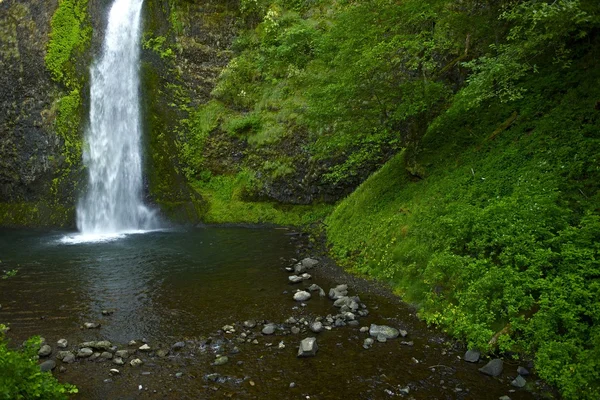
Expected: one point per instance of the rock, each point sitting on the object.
(62, 354)
(295, 279)
(122, 353)
(383, 330)
(308, 347)
(381, 338)
(281, 345)
(178, 374)
(522, 371)
(132, 343)
(295, 330)
(118, 361)
(368, 343)
(104, 345)
(519, 382)
(106, 355)
(221, 360)
(316, 327)
(292, 385)
(249, 324)
(114, 371)
(62, 343)
(178, 346)
(144, 347)
(47, 365)
(62, 369)
(269, 329)
(162, 353)
(45, 351)
(91, 325)
(94, 356)
(302, 295)
(405, 390)
(136, 362)
(212, 377)
(493, 368)
(85, 352)
(107, 312)
(291, 320)
(403, 333)
(471, 356)
(309, 263)
(504, 398)
(338, 292)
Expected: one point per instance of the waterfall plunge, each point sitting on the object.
(113, 201)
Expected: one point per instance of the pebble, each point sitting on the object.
(178, 374)
(308, 347)
(471, 356)
(62, 343)
(302, 295)
(118, 361)
(114, 371)
(144, 347)
(383, 330)
(221, 360)
(45, 351)
(47, 365)
(178, 346)
(84, 352)
(136, 362)
(368, 343)
(519, 382)
(91, 325)
(269, 329)
(493, 368)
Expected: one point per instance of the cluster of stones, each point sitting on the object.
(495, 367)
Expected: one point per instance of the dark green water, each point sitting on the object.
(184, 285)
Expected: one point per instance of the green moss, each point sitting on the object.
(35, 214)
(226, 200)
(70, 35)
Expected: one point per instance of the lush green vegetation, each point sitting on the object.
(20, 375)
(487, 213)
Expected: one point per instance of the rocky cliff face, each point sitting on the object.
(29, 147)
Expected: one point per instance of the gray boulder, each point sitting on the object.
(269, 329)
(519, 382)
(338, 292)
(383, 330)
(302, 296)
(47, 365)
(493, 368)
(316, 327)
(308, 347)
(85, 352)
(472, 356)
(45, 351)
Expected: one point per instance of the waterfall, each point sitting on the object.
(113, 154)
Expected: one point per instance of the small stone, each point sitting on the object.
(178, 374)
(383, 330)
(122, 353)
(62, 343)
(302, 295)
(522, 371)
(221, 360)
(471, 356)
(291, 320)
(94, 356)
(364, 329)
(316, 327)
(368, 343)
(295, 279)
(132, 343)
(106, 355)
(91, 325)
(47, 365)
(114, 371)
(292, 385)
(381, 338)
(144, 347)
(519, 382)
(411, 343)
(107, 312)
(281, 345)
(178, 346)
(62, 354)
(146, 373)
(69, 358)
(405, 390)
(308, 347)
(493, 368)
(85, 352)
(45, 351)
(249, 324)
(118, 361)
(295, 330)
(269, 329)
(162, 353)
(136, 362)
(62, 369)
(504, 398)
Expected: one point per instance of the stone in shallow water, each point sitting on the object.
(338, 292)
(85, 352)
(45, 351)
(136, 362)
(472, 356)
(493, 368)
(269, 329)
(302, 295)
(383, 330)
(62, 354)
(295, 330)
(308, 347)
(62, 343)
(221, 360)
(47, 365)
(519, 382)
(69, 358)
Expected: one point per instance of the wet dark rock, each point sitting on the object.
(522, 371)
(85, 352)
(308, 347)
(472, 356)
(353, 323)
(45, 351)
(62, 343)
(383, 330)
(47, 365)
(302, 295)
(519, 382)
(269, 329)
(493, 368)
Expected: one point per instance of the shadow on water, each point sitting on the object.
(184, 285)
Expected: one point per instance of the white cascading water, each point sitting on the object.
(113, 154)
